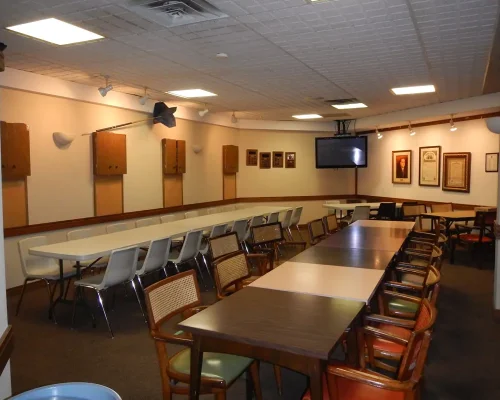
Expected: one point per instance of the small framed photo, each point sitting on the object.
(456, 172)
(401, 166)
(429, 166)
(491, 162)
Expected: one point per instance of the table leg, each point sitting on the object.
(353, 350)
(61, 290)
(315, 379)
(196, 362)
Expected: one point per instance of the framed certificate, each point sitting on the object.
(401, 166)
(491, 162)
(456, 172)
(429, 166)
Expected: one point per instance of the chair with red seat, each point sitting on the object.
(346, 383)
(476, 236)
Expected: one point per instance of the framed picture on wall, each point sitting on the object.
(401, 166)
(429, 166)
(456, 172)
(491, 162)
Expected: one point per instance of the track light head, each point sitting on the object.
(411, 130)
(379, 135)
(202, 113)
(104, 90)
(234, 120)
(143, 100)
(453, 128)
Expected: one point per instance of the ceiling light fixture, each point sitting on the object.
(349, 106)
(307, 116)
(221, 55)
(379, 135)
(234, 120)
(191, 93)
(411, 130)
(413, 90)
(453, 128)
(108, 88)
(143, 100)
(55, 31)
(202, 113)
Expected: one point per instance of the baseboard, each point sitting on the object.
(16, 290)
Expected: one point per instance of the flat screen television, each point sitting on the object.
(341, 152)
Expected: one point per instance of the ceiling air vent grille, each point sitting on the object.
(171, 13)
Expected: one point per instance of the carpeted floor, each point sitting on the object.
(462, 363)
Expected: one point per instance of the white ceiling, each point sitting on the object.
(285, 56)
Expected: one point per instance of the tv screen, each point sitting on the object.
(342, 152)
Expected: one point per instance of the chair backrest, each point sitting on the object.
(121, 226)
(121, 268)
(256, 220)
(191, 245)
(267, 233)
(79, 234)
(411, 212)
(212, 210)
(287, 219)
(192, 214)
(157, 256)
(445, 207)
(360, 213)
(170, 297)
(387, 211)
(296, 216)
(218, 230)
(331, 223)
(485, 220)
(230, 270)
(140, 223)
(413, 359)
(167, 218)
(273, 217)
(28, 261)
(316, 230)
(240, 228)
(224, 244)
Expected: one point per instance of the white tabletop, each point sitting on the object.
(373, 223)
(334, 281)
(351, 206)
(99, 246)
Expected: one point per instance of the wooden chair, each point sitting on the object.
(379, 348)
(316, 231)
(180, 295)
(229, 243)
(331, 224)
(271, 236)
(345, 383)
(478, 235)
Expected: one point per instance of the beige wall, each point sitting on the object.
(471, 136)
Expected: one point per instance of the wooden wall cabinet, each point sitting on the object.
(174, 156)
(230, 159)
(15, 140)
(110, 153)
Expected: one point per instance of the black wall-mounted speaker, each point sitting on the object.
(164, 115)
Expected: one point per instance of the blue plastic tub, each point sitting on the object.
(69, 391)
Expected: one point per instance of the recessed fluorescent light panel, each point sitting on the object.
(307, 116)
(414, 89)
(191, 93)
(55, 31)
(349, 106)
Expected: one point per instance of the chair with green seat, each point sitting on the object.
(180, 295)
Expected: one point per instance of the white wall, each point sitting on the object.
(471, 136)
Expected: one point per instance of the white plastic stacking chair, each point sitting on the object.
(156, 259)
(113, 228)
(140, 223)
(44, 268)
(285, 224)
(273, 217)
(359, 213)
(121, 269)
(240, 227)
(212, 210)
(167, 218)
(294, 221)
(189, 251)
(77, 234)
(192, 214)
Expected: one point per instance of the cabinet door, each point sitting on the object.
(15, 151)
(230, 159)
(119, 154)
(169, 149)
(103, 159)
(181, 156)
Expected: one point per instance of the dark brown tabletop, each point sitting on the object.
(355, 258)
(297, 323)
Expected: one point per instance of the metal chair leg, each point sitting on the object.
(201, 273)
(290, 234)
(177, 268)
(140, 283)
(101, 302)
(139, 301)
(22, 295)
(67, 288)
(300, 234)
(206, 266)
(52, 313)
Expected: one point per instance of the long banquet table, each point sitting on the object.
(293, 316)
